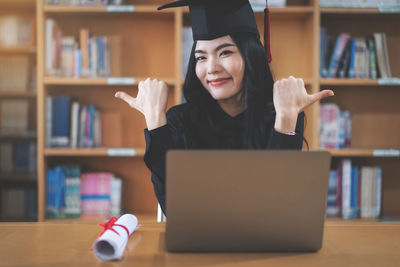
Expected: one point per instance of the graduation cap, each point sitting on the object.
(215, 18)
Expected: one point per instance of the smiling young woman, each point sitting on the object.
(232, 99)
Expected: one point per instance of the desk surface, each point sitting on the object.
(67, 244)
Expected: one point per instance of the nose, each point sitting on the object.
(213, 65)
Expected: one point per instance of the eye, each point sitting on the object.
(199, 58)
(225, 53)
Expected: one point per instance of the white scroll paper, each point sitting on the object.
(110, 245)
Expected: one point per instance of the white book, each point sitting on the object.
(380, 55)
(386, 55)
(74, 129)
(49, 48)
(364, 191)
(115, 196)
(346, 189)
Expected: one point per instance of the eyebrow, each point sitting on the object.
(216, 49)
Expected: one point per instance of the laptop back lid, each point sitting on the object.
(246, 201)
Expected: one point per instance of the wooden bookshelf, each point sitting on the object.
(295, 39)
(372, 102)
(14, 180)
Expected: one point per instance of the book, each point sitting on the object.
(340, 45)
(382, 55)
(95, 194)
(346, 189)
(332, 209)
(60, 121)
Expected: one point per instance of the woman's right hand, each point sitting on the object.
(151, 101)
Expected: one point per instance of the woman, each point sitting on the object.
(232, 103)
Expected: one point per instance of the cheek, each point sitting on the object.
(237, 70)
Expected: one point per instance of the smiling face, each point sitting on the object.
(220, 68)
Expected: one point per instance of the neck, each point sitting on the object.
(232, 106)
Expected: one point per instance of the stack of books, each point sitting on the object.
(354, 57)
(355, 191)
(71, 194)
(67, 57)
(335, 127)
(71, 124)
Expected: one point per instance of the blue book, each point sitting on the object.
(91, 124)
(60, 121)
(22, 153)
(354, 191)
(78, 63)
(60, 190)
(337, 54)
(352, 58)
(50, 193)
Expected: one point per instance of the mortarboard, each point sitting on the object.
(215, 18)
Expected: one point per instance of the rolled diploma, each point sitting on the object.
(110, 245)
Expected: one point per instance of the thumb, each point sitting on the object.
(318, 96)
(127, 98)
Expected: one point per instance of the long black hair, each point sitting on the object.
(257, 94)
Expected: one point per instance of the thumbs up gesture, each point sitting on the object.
(290, 99)
(151, 101)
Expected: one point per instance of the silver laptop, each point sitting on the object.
(246, 201)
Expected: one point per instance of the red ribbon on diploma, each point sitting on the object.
(109, 226)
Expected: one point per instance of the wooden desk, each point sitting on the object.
(67, 244)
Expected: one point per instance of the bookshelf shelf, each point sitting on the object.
(18, 50)
(104, 9)
(353, 152)
(353, 11)
(345, 82)
(16, 94)
(17, 135)
(112, 81)
(94, 152)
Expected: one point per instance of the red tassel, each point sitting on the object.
(267, 34)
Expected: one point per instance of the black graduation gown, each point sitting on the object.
(228, 135)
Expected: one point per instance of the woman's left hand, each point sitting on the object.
(291, 98)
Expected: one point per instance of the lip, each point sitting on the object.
(218, 82)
